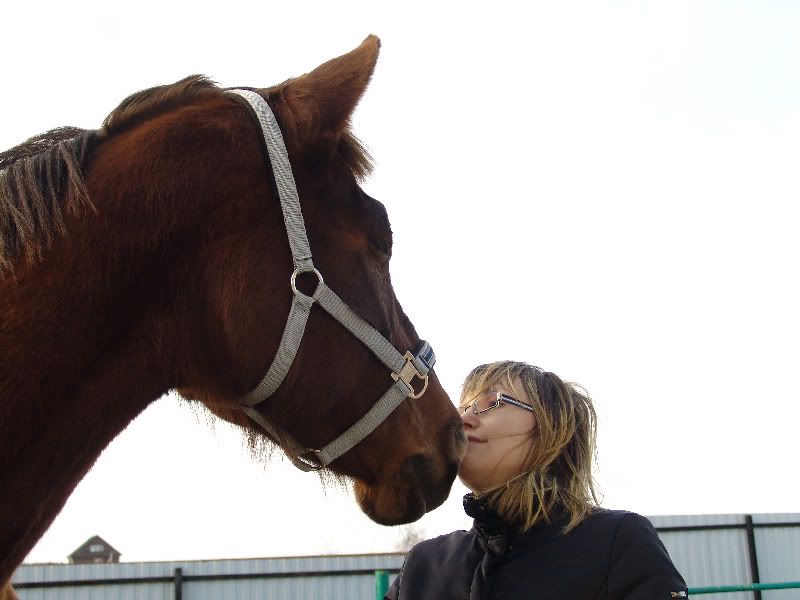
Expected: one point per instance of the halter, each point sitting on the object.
(403, 368)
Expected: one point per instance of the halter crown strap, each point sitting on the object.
(404, 368)
(284, 179)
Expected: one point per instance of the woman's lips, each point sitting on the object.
(472, 438)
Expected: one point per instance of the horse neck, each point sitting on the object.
(74, 371)
(88, 336)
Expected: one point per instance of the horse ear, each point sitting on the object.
(316, 107)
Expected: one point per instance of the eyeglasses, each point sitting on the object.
(489, 400)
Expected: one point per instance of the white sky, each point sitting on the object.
(606, 189)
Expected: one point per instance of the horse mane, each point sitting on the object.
(42, 178)
(34, 179)
(147, 104)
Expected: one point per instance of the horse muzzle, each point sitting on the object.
(421, 483)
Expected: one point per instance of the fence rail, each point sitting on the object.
(750, 587)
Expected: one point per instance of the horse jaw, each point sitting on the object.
(407, 494)
(387, 506)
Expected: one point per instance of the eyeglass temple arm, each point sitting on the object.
(510, 400)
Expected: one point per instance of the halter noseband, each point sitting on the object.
(404, 368)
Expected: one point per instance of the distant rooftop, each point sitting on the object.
(94, 550)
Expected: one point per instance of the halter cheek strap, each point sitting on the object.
(404, 368)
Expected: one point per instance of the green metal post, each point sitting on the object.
(381, 584)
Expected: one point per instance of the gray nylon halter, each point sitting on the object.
(404, 368)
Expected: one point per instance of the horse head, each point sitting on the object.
(240, 294)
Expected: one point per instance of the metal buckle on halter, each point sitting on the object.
(308, 461)
(407, 374)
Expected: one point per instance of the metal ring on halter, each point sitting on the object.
(407, 374)
(297, 271)
(308, 461)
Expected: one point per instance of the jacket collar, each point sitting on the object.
(495, 534)
(492, 530)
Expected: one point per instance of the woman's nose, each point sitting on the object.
(468, 419)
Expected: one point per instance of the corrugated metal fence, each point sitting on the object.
(306, 577)
(717, 550)
(709, 550)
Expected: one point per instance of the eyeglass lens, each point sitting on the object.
(483, 402)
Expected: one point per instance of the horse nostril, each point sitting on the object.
(420, 467)
(457, 441)
(461, 436)
(417, 463)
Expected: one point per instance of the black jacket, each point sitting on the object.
(611, 555)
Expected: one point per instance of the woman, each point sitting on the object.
(538, 532)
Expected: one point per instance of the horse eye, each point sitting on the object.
(379, 246)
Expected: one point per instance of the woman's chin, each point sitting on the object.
(467, 480)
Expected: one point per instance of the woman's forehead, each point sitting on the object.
(499, 383)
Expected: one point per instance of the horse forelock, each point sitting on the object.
(355, 155)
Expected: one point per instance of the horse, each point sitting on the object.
(151, 255)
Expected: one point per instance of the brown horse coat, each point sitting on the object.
(151, 255)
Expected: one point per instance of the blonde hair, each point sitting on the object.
(557, 475)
